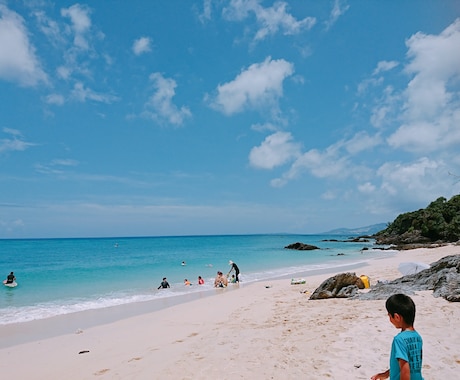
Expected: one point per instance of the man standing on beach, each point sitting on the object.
(235, 268)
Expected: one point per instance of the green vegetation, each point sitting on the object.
(440, 221)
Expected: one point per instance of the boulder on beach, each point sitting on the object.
(443, 278)
(343, 285)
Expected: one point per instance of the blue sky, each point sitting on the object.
(147, 118)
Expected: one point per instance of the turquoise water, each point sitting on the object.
(60, 276)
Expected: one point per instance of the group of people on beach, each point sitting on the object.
(221, 281)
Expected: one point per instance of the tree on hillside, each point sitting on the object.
(440, 221)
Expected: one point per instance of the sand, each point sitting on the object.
(265, 330)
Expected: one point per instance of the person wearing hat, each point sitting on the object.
(235, 268)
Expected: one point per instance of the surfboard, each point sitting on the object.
(11, 284)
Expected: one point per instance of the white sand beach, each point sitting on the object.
(265, 330)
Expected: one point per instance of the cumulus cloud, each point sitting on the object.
(18, 62)
(275, 150)
(260, 85)
(270, 20)
(333, 162)
(80, 24)
(432, 98)
(417, 180)
(160, 106)
(141, 45)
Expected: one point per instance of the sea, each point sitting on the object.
(63, 276)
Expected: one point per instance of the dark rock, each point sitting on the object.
(443, 277)
(359, 239)
(301, 246)
(343, 285)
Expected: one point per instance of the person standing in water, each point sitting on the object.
(164, 284)
(235, 268)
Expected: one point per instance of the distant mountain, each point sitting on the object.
(368, 230)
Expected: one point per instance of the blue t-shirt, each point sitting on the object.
(407, 345)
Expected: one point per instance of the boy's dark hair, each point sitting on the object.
(402, 305)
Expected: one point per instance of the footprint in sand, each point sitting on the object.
(102, 371)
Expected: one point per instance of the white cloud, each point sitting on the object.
(339, 8)
(15, 143)
(80, 24)
(82, 94)
(432, 98)
(49, 28)
(275, 150)
(141, 45)
(18, 62)
(64, 162)
(421, 180)
(207, 11)
(367, 188)
(160, 106)
(334, 162)
(270, 20)
(386, 110)
(264, 127)
(383, 66)
(55, 99)
(361, 141)
(320, 164)
(259, 86)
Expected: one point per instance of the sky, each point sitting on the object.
(171, 117)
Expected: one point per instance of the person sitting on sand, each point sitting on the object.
(10, 278)
(406, 350)
(233, 279)
(220, 281)
(200, 280)
(164, 284)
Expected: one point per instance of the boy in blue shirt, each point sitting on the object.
(406, 349)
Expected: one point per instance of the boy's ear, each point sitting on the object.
(397, 317)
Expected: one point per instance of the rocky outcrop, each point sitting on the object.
(301, 246)
(443, 278)
(343, 285)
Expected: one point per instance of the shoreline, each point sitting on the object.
(26, 332)
(265, 329)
